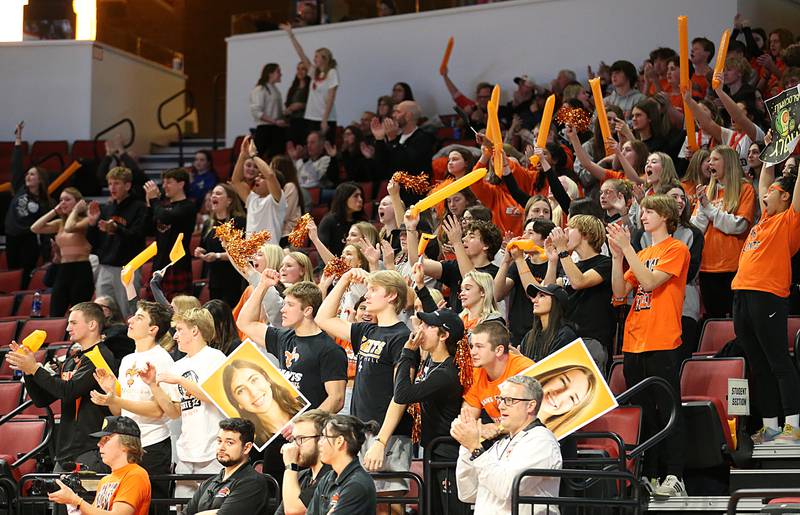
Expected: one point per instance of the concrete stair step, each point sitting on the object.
(704, 504)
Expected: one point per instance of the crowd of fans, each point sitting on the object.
(642, 239)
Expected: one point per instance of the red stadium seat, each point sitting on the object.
(237, 145)
(704, 392)
(85, 149)
(716, 333)
(18, 438)
(56, 328)
(366, 187)
(624, 421)
(6, 305)
(37, 279)
(197, 269)
(5, 369)
(10, 396)
(7, 148)
(792, 328)
(3, 261)
(223, 163)
(42, 149)
(617, 378)
(8, 332)
(25, 305)
(34, 411)
(10, 281)
(194, 242)
(314, 194)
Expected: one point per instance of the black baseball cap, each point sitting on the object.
(118, 425)
(447, 319)
(553, 290)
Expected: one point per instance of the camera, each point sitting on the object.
(42, 487)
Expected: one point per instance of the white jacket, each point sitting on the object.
(487, 480)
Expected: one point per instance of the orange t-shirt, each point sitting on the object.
(720, 250)
(481, 393)
(506, 213)
(699, 86)
(238, 307)
(765, 263)
(663, 84)
(526, 179)
(351, 357)
(129, 484)
(612, 174)
(654, 321)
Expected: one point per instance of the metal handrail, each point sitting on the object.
(215, 104)
(189, 108)
(759, 493)
(109, 129)
(48, 156)
(633, 503)
(673, 413)
(419, 499)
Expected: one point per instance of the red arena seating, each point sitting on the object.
(26, 304)
(617, 378)
(83, 149)
(8, 331)
(56, 328)
(10, 281)
(716, 333)
(6, 305)
(41, 149)
(19, 437)
(704, 391)
(10, 396)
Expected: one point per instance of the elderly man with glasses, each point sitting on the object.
(485, 476)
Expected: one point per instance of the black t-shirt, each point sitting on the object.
(308, 362)
(378, 353)
(520, 308)
(244, 492)
(171, 219)
(308, 485)
(451, 277)
(351, 492)
(439, 393)
(590, 308)
(221, 274)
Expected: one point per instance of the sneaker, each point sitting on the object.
(650, 485)
(789, 436)
(670, 487)
(765, 435)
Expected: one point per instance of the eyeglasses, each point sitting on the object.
(300, 440)
(508, 401)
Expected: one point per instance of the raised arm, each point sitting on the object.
(296, 44)
(454, 233)
(48, 223)
(237, 177)
(702, 118)
(248, 320)
(451, 88)
(586, 161)
(327, 318)
(737, 114)
(268, 173)
(324, 253)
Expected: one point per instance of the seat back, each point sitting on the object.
(10, 281)
(37, 279)
(10, 396)
(18, 437)
(616, 379)
(792, 327)
(26, 304)
(716, 333)
(85, 149)
(8, 331)
(223, 163)
(6, 305)
(625, 421)
(709, 378)
(56, 328)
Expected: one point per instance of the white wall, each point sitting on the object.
(68, 90)
(493, 42)
(124, 85)
(47, 84)
(771, 14)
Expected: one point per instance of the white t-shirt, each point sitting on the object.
(199, 420)
(265, 101)
(263, 213)
(740, 142)
(154, 430)
(318, 94)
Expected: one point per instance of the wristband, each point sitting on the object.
(563, 254)
(293, 467)
(378, 439)
(474, 455)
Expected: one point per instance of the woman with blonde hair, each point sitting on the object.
(296, 267)
(477, 299)
(697, 174)
(320, 112)
(259, 399)
(567, 391)
(725, 211)
(74, 279)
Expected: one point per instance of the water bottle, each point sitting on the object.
(36, 305)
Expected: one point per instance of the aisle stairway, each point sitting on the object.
(165, 157)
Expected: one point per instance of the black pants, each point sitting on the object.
(315, 125)
(689, 336)
(715, 289)
(22, 251)
(74, 284)
(158, 461)
(270, 140)
(759, 319)
(444, 494)
(667, 457)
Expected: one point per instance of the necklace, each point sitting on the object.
(425, 373)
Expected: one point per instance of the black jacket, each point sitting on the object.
(79, 415)
(128, 240)
(244, 492)
(414, 156)
(25, 208)
(170, 219)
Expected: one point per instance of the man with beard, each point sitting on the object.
(303, 453)
(238, 488)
